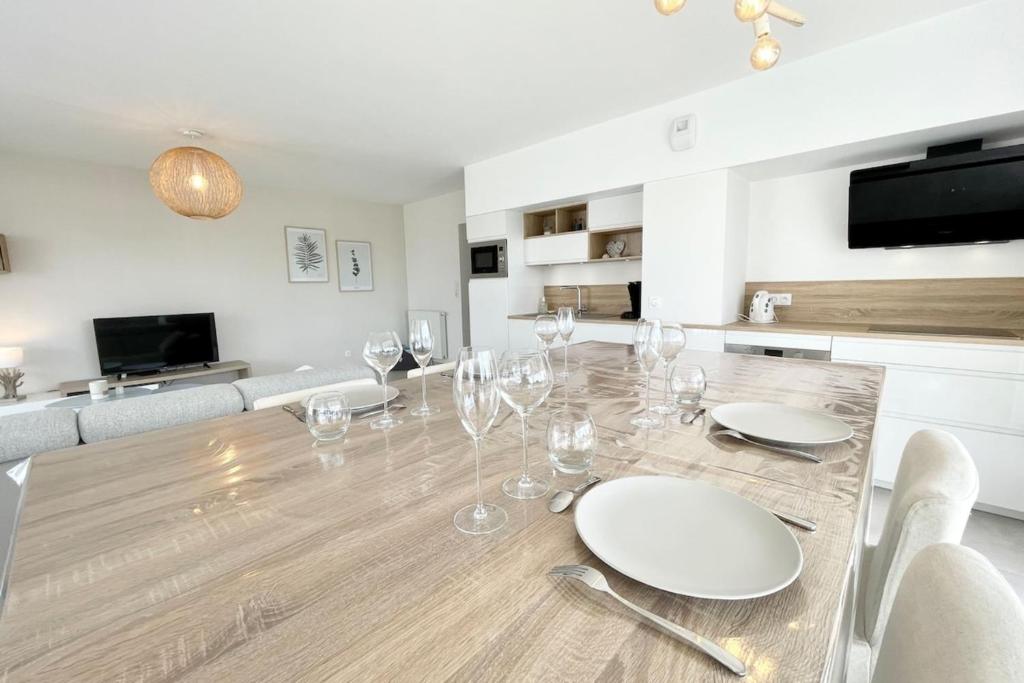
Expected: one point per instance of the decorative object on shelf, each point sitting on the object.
(355, 266)
(10, 376)
(195, 182)
(549, 225)
(615, 248)
(767, 50)
(306, 249)
(5, 256)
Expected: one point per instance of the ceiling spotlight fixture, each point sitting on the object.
(195, 182)
(767, 49)
(668, 7)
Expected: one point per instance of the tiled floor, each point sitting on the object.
(1000, 539)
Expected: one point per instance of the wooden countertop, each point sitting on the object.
(235, 549)
(829, 329)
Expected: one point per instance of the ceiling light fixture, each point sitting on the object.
(767, 49)
(195, 182)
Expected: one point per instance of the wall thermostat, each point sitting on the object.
(683, 134)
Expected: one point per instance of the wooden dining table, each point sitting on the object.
(237, 549)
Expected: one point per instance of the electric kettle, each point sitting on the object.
(762, 307)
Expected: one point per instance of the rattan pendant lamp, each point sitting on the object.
(195, 182)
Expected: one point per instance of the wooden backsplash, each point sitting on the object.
(605, 299)
(960, 302)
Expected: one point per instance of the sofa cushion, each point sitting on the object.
(102, 421)
(254, 388)
(38, 431)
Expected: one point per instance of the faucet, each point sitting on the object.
(580, 308)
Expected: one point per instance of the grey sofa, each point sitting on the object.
(255, 388)
(102, 421)
(26, 434)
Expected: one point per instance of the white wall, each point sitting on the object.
(92, 241)
(617, 273)
(798, 232)
(432, 258)
(956, 67)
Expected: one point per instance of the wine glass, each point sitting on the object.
(546, 329)
(572, 440)
(328, 415)
(647, 337)
(382, 352)
(421, 344)
(673, 341)
(688, 384)
(566, 326)
(524, 380)
(475, 391)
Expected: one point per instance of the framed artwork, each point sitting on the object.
(355, 266)
(307, 254)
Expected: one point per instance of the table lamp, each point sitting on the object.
(10, 376)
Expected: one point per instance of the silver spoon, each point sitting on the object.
(563, 499)
(689, 418)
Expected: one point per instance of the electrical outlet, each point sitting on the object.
(655, 302)
(783, 299)
(348, 354)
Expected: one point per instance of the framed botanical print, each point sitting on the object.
(307, 254)
(355, 266)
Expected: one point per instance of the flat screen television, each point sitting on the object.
(151, 343)
(949, 198)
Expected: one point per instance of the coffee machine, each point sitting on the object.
(634, 301)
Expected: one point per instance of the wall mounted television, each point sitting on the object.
(152, 343)
(960, 194)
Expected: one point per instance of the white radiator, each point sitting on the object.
(438, 321)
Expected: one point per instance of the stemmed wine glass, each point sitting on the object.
(647, 338)
(546, 329)
(475, 391)
(673, 341)
(421, 344)
(566, 326)
(382, 352)
(524, 380)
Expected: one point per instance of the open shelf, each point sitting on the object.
(633, 237)
(556, 221)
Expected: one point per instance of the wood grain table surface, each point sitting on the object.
(237, 549)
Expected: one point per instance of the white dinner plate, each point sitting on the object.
(777, 422)
(688, 537)
(363, 396)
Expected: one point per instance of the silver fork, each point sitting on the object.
(767, 446)
(596, 580)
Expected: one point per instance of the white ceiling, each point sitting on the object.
(376, 100)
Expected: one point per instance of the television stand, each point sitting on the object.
(81, 386)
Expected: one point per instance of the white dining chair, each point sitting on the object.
(936, 486)
(955, 618)
(298, 395)
(430, 370)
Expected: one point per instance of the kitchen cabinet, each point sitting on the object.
(700, 339)
(487, 226)
(620, 211)
(488, 313)
(571, 247)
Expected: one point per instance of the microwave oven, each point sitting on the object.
(487, 259)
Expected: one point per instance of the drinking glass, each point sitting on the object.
(524, 380)
(546, 329)
(382, 352)
(688, 384)
(572, 440)
(566, 326)
(328, 416)
(421, 344)
(673, 341)
(477, 399)
(647, 336)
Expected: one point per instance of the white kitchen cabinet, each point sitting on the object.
(488, 313)
(568, 248)
(700, 339)
(973, 391)
(521, 336)
(620, 211)
(487, 226)
(784, 340)
(604, 332)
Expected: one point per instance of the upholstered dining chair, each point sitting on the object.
(954, 618)
(431, 370)
(298, 395)
(25, 434)
(936, 486)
